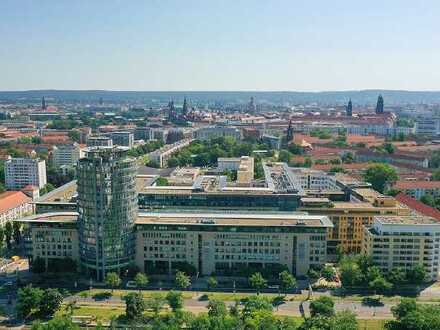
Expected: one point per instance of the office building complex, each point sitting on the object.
(244, 166)
(66, 155)
(162, 155)
(224, 243)
(350, 217)
(124, 139)
(418, 189)
(107, 206)
(429, 126)
(99, 141)
(212, 132)
(219, 243)
(20, 172)
(404, 242)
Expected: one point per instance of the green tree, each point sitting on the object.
(50, 303)
(412, 316)
(28, 301)
(373, 272)
(175, 300)
(329, 273)
(2, 236)
(134, 305)
(8, 233)
(347, 158)
(434, 161)
(258, 282)
(313, 273)
(345, 320)
(417, 274)
(156, 303)
(160, 181)
(380, 175)
(38, 265)
(254, 304)
(74, 136)
(380, 285)
(428, 200)
(212, 282)
(288, 281)
(182, 280)
(70, 308)
(58, 323)
(141, 280)
(323, 306)
(295, 149)
(350, 272)
(405, 306)
(216, 308)
(316, 323)
(284, 156)
(396, 276)
(16, 227)
(436, 175)
(112, 280)
(389, 147)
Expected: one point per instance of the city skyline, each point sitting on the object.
(225, 46)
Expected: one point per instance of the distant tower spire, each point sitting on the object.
(289, 136)
(43, 103)
(252, 108)
(349, 110)
(185, 107)
(379, 106)
(171, 110)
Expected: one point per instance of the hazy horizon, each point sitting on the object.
(287, 46)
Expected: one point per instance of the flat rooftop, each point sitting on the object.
(406, 220)
(61, 194)
(55, 217)
(234, 219)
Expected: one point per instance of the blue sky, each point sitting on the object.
(219, 45)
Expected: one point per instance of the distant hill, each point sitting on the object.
(363, 97)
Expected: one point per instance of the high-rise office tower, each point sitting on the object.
(379, 106)
(349, 110)
(107, 206)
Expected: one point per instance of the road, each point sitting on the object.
(290, 308)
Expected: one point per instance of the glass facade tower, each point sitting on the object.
(107, 207)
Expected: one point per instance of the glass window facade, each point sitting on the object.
(107, 207)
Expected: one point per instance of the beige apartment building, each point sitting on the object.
(349, 218)
(404, 242)
(222, 243)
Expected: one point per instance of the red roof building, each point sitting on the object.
(418, 206)
(14, 205)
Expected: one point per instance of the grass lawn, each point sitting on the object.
(228, 296)
(104, 313)
(371, 324)
(122, 293)
(224, 296)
